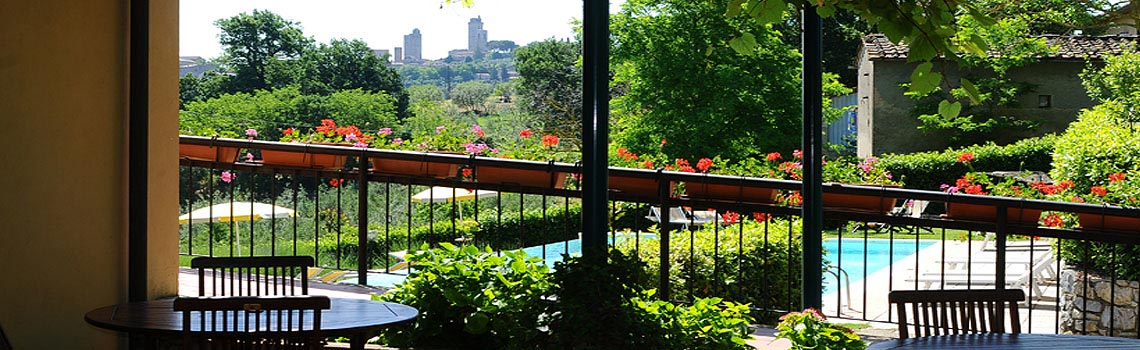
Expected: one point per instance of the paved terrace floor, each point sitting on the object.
(763, 338)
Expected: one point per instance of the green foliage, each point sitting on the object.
(755, 261)
(426, 93)
(685, 85)
(929, 170)
(1101, 258)
(703, 325)
(595, 299)
(1096, 145)
(550, 85)
(472, 299)
(258, 46)
(347, 65)
(810, 330)
(1118, 81)
(471, 95)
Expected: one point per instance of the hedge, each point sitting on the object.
(929, 170)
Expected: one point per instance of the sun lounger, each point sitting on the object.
(1031, 278)
(678, 216)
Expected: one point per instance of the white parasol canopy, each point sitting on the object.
(242, 211)
(440, 194)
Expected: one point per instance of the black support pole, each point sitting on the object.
(595, 125)
(363, 262)
(813, 159)
(137, 153)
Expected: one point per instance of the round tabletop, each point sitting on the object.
(1009, 342)
(345, 317)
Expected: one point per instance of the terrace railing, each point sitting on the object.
(346, 215)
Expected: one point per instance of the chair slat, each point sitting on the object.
(251, 276)
(944, 312)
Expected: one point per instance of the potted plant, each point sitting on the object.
(1121, 189)
(728, 192)
(810, 330)
(328, 133)
(864, 172)
(526, 147)
(386, 139)
(982, 184)
(209, 153)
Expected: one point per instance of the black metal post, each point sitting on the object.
(813, 159)
(362, 259)
(138, 147)
(595, 125)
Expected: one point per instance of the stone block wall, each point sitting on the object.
(1106, 307)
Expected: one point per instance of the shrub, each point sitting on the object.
(764, 270)
(1103, 258)
(1095, 146)
(928, 170)
(703, 325)
(472, 299)
(810, 330)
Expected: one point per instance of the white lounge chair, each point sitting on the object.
(1024, 278)
(678, 216)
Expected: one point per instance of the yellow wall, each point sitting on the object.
(63, 147)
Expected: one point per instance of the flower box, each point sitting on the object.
(635, 186)
(520, 177)
(208, 153)
(302, 159)
(859, 202)
(988, 213)
(1109, 222)
(733, 193)
(421, 168)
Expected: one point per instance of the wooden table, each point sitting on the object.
(1009, 342)
(155, 320)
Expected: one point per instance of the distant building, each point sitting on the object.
(381, 54)
(476, 36)
(459, 55)
(399, 57)
(413, 47)
(195, 65)
(886, 121)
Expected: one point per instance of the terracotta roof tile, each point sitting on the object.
(1068, 47)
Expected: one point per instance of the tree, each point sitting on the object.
(472, 95)
(550, 85)
(687, 87)
(260, 46)
(349, 64)
(502, 46)
(424, 92)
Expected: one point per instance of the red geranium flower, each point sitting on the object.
(1098, 190)
(965, 157)
(1115, 177)
(730, 217)
(288, 131)
(648, 164)
(549, 141)
(467, 172)
(526, 133)
(687, 169)
(663, 142)
(328, 126)
(773, 156)
(704, 164)
(336, 182)
(761, 217)
(1054, 220)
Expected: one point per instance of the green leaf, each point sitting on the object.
(769, 11)
(923, 81)
(949, 110)
(734, 8)
(825, 11)
(476, 323)
(971, 91)
(744, 45)
(518, 266)
(921, 50)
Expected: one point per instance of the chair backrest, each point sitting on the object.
(944, 312)
(4, 344)
(252, 276)
(292, 322)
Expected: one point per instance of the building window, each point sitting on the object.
(1044, 101)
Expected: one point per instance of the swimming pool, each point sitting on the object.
(878, 252)
(878, 256)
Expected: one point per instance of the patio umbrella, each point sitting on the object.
(242, 211)
(439, 194)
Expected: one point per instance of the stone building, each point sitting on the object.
(476, 36)
(413, 47)
(886, 118)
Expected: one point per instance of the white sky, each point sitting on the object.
(383, 23)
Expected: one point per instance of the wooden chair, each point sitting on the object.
(262, 323)
(4, 344)
(252, 276)
(945, 312)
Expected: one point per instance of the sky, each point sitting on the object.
(383, 23)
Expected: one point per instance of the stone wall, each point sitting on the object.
(1103, 310)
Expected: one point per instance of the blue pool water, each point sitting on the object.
(878, 252)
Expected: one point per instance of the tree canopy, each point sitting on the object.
(259, 45)
(550, 85)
